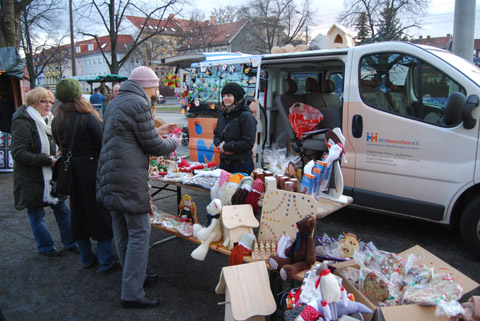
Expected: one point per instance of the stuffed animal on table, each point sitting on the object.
(212, 232)
(230, 188)
(331, 300)
(188, 210)
(255, 196)
(242, 191)
(244, 247)
(217, 189)
(300, 255)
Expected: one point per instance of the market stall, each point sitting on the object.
(11, 97)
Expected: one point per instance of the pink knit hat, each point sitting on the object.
(145, 77)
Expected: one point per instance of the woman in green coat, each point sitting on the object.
(33, 150)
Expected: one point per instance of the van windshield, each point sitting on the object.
(468, 69)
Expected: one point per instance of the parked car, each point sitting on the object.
(162, 99)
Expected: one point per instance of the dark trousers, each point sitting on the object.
(243, 166)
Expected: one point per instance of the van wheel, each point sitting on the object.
(470, 225)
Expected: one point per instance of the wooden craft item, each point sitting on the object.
(281, 210)
(237, 220)
(263, 249)
(270, 183)
(248, 295)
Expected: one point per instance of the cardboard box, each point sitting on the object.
(410, 312)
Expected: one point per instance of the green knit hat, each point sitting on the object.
(68, 89)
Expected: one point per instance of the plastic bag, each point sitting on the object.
(277, 160)
(303, 118)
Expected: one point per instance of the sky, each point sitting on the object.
(437, 23)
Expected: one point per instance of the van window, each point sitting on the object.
(405, 85)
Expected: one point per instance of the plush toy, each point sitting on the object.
(217, 189)
(212, 232)
(300, 255)
(244, 247)
(242, 191)
(331, 299)
(188, 209)
(254, 197)
(231, 186)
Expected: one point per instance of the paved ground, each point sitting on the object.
(34, 287)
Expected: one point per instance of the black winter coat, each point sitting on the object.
(129, 137)
(28, 183)
(237, 129)
(89, 218)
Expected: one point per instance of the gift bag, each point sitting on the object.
(303, 118)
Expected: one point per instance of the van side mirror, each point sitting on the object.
(453, 111)
(468, 120)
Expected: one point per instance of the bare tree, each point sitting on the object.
(275, 22)
(225, 14)
(10, 11)
(37, 19)
(409, 10)
(112, 14)
(199, 34)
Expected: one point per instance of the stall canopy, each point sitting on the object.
(100, 78)
(185, 61)
(11, 63)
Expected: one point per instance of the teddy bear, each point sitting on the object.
(212, 232)
(300, 255)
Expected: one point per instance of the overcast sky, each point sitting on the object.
(438, 22)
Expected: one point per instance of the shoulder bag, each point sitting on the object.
(62, 171)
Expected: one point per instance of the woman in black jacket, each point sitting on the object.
(89, 218)
(33, 150)
(234, 134)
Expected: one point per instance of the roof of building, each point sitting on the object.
(439, 42)
(123, 41)
(216, 33)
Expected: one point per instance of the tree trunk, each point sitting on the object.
(9, 34)
(10, 22)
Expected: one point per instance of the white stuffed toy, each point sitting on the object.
(210, 233)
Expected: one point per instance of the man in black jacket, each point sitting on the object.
(129, 137)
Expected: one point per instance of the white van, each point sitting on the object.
(409, 117)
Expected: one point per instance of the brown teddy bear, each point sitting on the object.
(300, 255)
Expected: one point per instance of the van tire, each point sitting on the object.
(470, 225)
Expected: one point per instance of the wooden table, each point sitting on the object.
(324, 206)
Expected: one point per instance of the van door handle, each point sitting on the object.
(357, 126)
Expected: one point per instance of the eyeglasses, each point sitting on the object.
(46, 102)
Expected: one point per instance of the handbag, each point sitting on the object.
(62, 171)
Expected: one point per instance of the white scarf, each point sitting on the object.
(44, 129)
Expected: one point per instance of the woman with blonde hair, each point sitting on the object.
(34, 150)
(76, 116)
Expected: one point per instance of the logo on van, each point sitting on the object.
(372, 137)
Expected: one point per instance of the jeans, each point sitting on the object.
(104, 253)
(40, 230)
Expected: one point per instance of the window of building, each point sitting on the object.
(90, 46)
(78, 49)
